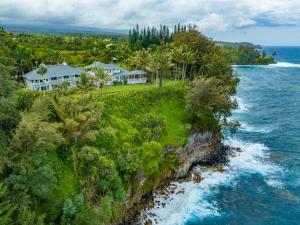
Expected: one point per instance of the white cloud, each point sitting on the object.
(209, 15)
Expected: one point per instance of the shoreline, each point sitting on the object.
(214, 160)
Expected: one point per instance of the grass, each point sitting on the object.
(175, 117)
(131, 87)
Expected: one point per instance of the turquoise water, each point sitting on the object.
(261, 184)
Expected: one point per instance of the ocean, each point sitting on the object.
(260, 184)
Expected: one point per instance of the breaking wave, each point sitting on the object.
(190, 199)
(284, 64)
(242, 106)
(249, 128)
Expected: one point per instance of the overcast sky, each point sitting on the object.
(267, 22)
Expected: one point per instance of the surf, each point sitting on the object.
(190, 200)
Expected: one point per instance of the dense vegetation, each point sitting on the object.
(247, 54)
(82, 156)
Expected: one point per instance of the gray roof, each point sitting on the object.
(54, 71)
(104, 66)
(113, 66)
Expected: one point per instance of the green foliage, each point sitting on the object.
(86, 82)
(42, 69)
(151, 155)
(246, 54)
(208, 103)
(6, 208)
(68, 141)
(155, 124)
(71, 208)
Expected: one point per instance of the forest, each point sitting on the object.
(75, 156)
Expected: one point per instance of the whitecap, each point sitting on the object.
(273, 65)
(283, 64)
(249, 128)
(242, 106)
(180, 207)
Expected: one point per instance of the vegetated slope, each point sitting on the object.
(135, 128)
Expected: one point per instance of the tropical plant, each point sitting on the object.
(42, 70)
(80, 119)
(187, 58)
(85, 82)
(101, 77)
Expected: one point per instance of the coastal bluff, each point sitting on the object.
(201, 148)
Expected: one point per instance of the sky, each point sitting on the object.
(266, 22)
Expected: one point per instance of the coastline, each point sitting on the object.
(208, 152)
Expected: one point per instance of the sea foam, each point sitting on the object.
(193, 201)
(242, 106)
(249, 128)
(283, 64)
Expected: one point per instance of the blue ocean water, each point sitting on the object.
(261, 184)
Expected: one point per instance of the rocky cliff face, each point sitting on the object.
(201, 147)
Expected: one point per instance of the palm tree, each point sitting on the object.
(188, 58)
(78, 118)
(164, 59)
(85, 82)
(101, 77)
(177, 55)
(153, 67)
(42, 70)
(140, 59)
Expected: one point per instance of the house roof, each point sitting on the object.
(54, 71)
(104, 66)
(110, 66)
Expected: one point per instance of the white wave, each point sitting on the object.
(273, 65)
(242, 106)
(283, 64)
(249, 128)
(179, 207)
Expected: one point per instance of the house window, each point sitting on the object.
(66, 77)
(76, 75)
(53, 78)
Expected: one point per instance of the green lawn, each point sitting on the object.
(132, 87)
(175, 117)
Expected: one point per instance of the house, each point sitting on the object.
(55, 74)
(119, 74)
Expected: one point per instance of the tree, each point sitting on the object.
(164, 58)
(102, 77)
(6, 208)
(80, 119)
(85, 82)
(42, 70)
(187, 58)
(152, 66)
(177, 54)
(208, 104)
(140, 59)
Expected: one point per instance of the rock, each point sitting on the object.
(197, 177)
(199, 149)
(148, 222)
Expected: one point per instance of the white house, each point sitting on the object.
(119, 74)
(55, 74)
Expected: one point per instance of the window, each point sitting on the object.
(53, 78)
(66, 77)
(76, 75)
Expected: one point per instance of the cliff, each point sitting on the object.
(200, 148)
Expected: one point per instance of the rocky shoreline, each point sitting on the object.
(202, 149)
